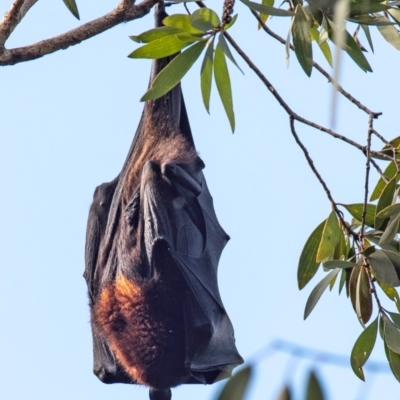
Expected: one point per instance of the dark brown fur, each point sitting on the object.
(143, 321)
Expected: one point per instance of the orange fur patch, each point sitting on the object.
(143, 331)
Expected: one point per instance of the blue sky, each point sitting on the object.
(67, 121)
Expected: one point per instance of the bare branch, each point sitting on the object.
(10, 21)
(124, 12)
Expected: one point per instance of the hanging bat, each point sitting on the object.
(153, 244)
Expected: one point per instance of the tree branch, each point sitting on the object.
(124, 12)
(10, 21)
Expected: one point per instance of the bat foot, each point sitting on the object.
(163, 394)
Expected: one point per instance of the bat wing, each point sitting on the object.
(185, 220)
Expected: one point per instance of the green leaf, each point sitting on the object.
(391, 292)
(368, 36)
(223, 82)
(383, 268)
(339, 264)
(356, 211)
(394, 257)
(264, 17)
(362, 348)
(330, 238)
(324, 46)
(353, 281)
(395, 318)
(317, 292)
(384, 201)
(367, 7)
(276, 12)
(71, 5)
(343, 278)
(156, 33)
(390, 33)
(181, 21)
(394, 362)
(314, 389)
(204, 19)
(285, 394)
(302, 39)
(307, 265)
(356, 54)
(390, 172)
(391, 230)
(392, 335)
(363, 297)
(230, 24)
(172, 74)
(395, 14)
(390, 211)
(206, 74)
(235, 388)
(227, 51)
(163, 47)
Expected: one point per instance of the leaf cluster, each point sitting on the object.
(315, 20)
(364, 251)
(190, 35)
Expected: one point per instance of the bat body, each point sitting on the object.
(153, 244)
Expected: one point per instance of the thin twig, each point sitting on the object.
(124, 12)
(367, 170)
(286, 107)
(321, 181)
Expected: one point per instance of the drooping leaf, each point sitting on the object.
(324, 46)
(330, 238)
(181, 21)
(395, 318)
(384, 201)
(390, 172)
(204, 19)
(277, 12)
(390, 33)
(314, 388)
(225, 48)
(172, 74)
(163, 47)
(392, 335)
(323, 33)
(365, 28)
(394, 361)
(356, 210)
(362, 348)
(307, 263)
(394, 257)
(354, 51)
(264, 17)
(316, 293)
(206, 74)
(391, 292)
(71, 5)
(156, 33)
(332, 264)
(383, 268)
(302, 39)
(353, 281)
(235, 388)
(391, 230)
(363, 297)
(223, 82)
(395, 14)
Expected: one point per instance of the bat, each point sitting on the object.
(153, 243)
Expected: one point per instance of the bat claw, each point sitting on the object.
(163, 394)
